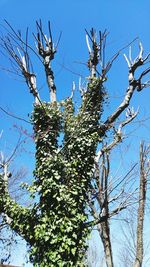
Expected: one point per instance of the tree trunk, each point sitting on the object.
(141, 208)
(104, 231)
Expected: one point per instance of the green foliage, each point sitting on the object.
(55, 228)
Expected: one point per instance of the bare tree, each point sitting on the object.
(112, 197)
(76, 175)
(134, 245)
(102, 190)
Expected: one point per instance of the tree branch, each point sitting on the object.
(14, 116)
(47, 50)
(12, 211)
(118, 136)
(133, 85)
(18, 51)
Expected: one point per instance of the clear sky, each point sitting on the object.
(124, 19)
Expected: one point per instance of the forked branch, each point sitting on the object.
(47, 50)
(96, 47)
(134, 84)
(118, 135)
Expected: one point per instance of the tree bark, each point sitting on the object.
(104, 231)
(141, 208)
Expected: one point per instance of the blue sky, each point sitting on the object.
(124, 19)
